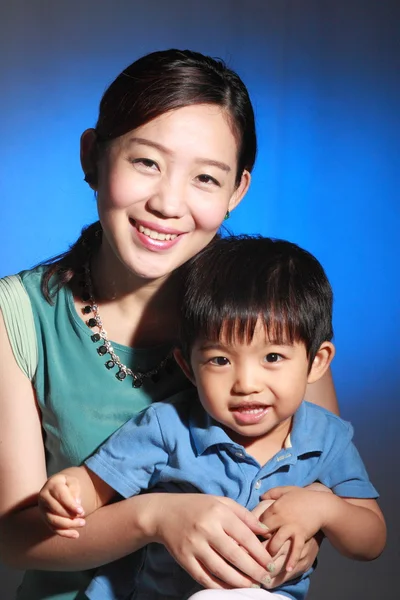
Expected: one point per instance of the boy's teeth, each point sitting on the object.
(252, 411)
(155, 235)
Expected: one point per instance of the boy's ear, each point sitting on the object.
(321, 362)
(186, 368)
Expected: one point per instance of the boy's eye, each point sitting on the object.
(220, 361)
(273, 357)
(207, 179)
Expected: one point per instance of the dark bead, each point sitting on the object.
(120, 375)
(92, 322)
(86, 310)
(155, 377)
(110, 364)
(96, 337)
(86, 297)
(137, 382)
(102, 350)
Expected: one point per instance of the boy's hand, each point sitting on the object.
(60, 505)
(296, 515)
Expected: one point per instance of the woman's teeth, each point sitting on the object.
(155, 235)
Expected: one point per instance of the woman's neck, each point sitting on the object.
(135, 311)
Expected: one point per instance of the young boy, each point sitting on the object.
(256, 328)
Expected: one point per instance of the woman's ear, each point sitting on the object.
(321, 362)
(240, 191)
(184, 365)
(89, 157)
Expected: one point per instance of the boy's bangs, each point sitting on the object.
(238, 326)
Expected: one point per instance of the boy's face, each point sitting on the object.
(254, 389)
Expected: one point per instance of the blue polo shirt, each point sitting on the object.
(176, 446)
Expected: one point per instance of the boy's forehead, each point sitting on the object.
(245, 334)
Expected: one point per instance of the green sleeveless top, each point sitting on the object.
(81, 402)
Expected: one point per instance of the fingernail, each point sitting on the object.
(255, 585)
(266, 580)
(79, 510)
(81, 522)
(264, 526)
(271, 567)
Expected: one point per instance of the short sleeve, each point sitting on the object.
(19, 321)
(132, 459)
(347, 476)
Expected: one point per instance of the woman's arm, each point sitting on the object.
(200, 531)
(322, 392)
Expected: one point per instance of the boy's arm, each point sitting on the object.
(355, 527)
(69, 496)
(94, 492)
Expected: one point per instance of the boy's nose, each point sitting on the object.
(247, 382)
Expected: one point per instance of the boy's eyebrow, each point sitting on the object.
(165, 150)
(279, 343)
(207, 345)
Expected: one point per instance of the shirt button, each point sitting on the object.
(257, 484)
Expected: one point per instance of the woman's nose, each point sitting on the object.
(168, 199)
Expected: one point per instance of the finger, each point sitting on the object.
(247, 517)
(212, 571)
(67, 499)
(57, 522)
(67, 533)
(49, 504)
(278, 492)
(282, 535)
(243, 543)
(295, 553)
(260, 509)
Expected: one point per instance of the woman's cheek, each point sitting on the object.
(209, 217)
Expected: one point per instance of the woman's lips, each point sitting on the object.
(155, 239)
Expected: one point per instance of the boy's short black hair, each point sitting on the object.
(236, 280)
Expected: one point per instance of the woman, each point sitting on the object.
(170, 157)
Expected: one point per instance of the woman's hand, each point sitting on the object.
(213, 538)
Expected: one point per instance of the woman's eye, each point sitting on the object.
(146, 163)
(220, 361)
(273, 357)
(208, 180)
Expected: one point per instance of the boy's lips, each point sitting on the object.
(246, 414)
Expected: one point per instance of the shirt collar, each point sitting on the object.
(206, 432)
(303, 438)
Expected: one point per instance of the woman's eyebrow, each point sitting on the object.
(201, 161)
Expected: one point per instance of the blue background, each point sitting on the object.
(324, 77)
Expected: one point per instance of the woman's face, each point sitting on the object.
(164, 188)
